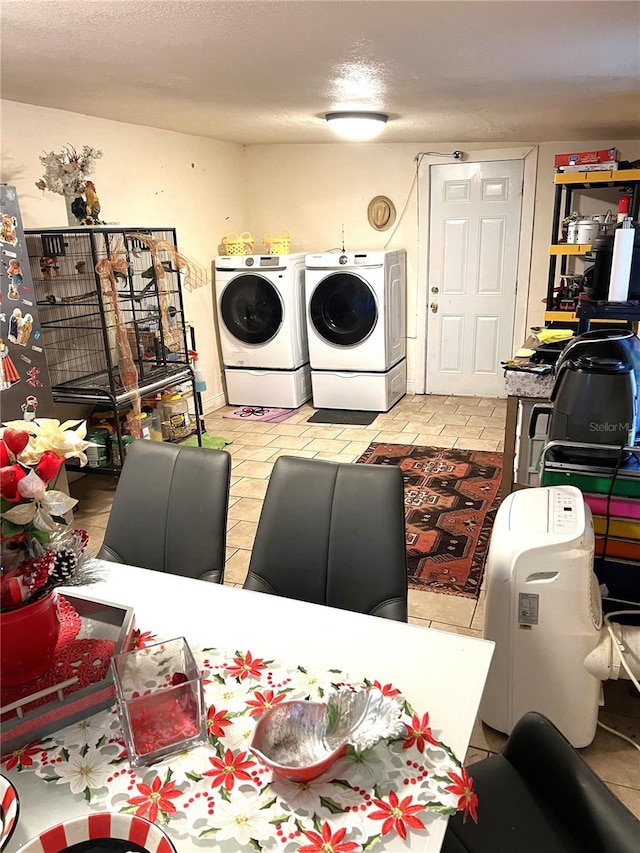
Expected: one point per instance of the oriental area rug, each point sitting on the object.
(451, 498)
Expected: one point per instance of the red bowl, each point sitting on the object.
(290, 740)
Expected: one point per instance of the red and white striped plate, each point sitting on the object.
(101, 825)
(9, 808)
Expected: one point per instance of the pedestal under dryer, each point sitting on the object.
(262, 327)
(356, 322)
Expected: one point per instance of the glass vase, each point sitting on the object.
(28, 638)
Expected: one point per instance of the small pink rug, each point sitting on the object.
(260, 413)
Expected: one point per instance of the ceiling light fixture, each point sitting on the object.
(356, 125)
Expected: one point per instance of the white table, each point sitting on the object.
(438, 672)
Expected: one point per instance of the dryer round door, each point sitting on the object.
(343, 309)
(251, 309)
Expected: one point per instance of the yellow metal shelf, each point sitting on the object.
(570, 317)
(569, 249)
(618, 175)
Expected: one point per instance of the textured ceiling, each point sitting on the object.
(267, 72)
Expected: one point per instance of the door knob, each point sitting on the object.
(434, 307)
(435, 290)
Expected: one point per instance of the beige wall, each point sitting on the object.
(206, 188)
(312, 190)
(145, 177)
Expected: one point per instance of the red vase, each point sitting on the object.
(28, 637)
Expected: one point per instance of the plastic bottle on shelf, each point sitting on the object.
(624, 206)
(621, 261)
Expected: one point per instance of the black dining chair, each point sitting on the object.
(169, 511)
(539, 796)
(333, 533)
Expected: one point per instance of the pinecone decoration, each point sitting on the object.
(64, 565)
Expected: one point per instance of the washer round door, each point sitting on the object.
(343, 309)
(251, 309)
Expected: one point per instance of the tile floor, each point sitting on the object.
(472, 423)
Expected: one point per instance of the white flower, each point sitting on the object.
(65, 440)
(362, 769)
(226, 694)
(140, 673)
(88, 731)
(305, 796)
(238, 736)
(84, 771)
(43, 504)
(242, 819)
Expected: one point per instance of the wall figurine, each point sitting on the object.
(29, 408)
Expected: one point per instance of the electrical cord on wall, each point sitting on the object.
(457, 155)
(605, 541)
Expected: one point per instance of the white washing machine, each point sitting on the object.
(262, 328)
(356, 321)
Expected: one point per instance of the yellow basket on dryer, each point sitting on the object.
(277, 245)
(238, 244)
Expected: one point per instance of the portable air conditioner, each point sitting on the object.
(544, 613)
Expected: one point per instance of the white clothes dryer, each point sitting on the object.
(356, 321)
(356, 309)
(262, 329)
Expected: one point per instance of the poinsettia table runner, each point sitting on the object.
(220, 792)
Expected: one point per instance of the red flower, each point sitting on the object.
(463, 788)
(387, 690)
(216, 721)
(264, 701)
(397, 815)
(140, 640)
(245, 666)
(155, 798)
(10, 476)
(419, 732)
(328, 842)
(15, 440)
(227, 770)
(49, 465)
(21, 757)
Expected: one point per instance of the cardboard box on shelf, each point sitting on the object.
(609, 166)
(579, 158)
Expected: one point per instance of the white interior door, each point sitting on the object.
(474, 234)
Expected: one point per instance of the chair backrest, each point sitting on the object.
(169, 512)
(540, 796)
(333, 533)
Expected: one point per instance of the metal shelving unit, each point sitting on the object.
(107, 338)
(566, 184)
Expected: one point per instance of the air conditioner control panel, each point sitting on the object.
(564, 512)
